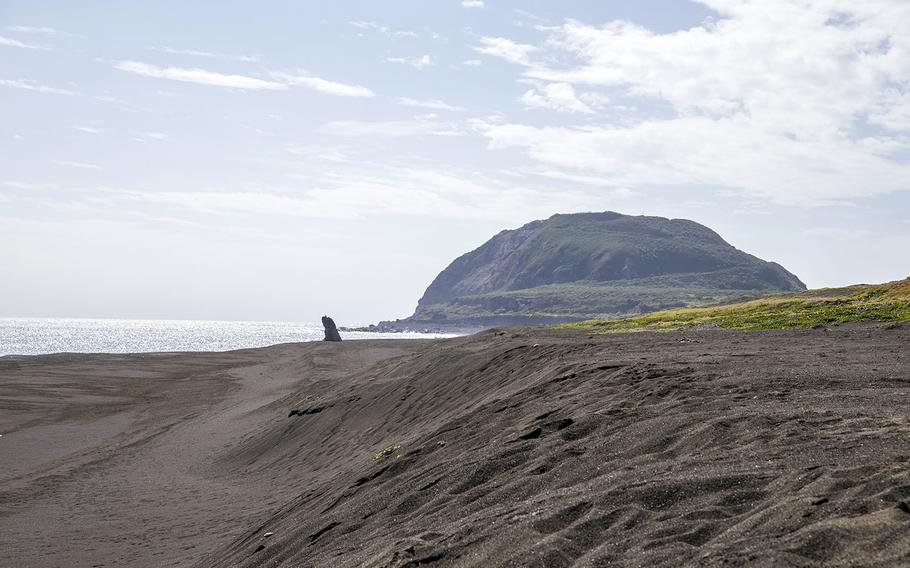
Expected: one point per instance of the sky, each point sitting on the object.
(282, 160)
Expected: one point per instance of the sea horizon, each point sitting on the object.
(49, 335)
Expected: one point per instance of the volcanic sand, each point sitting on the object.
(516, 447)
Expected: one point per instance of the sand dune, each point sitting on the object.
(509, 448)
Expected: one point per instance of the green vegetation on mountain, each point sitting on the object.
(830, 306)
(595, 265)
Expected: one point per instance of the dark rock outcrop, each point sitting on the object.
(331, 332)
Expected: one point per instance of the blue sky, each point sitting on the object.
(278, 160)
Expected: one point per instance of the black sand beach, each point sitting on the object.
(508, 448)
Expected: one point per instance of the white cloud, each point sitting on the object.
(507, 49)
(594, 181)
(837, 232)
(144, 137)
(29, 186)
(325, 86)
(473, 3)
(238, 203)
(30, 85)
(472, 63)
(318, 152)
(774, 99)
(32, 30)
(10, 42)
(892, 112)
(698, 151)
(560, 97)
(527, 15)
(282, 80)
(390, 129)
(432, 104)
(198, 76)
(415, 62)
(199, 53)
(110, 99)
(86, 129)
(377, 190)
(385, 30)
(80, 165)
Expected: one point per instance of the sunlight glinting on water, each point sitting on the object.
(35, 336)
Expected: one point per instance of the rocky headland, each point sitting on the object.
(589, 266)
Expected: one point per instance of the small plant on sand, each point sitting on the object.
(385, 452)
(566, 376)
(441, 443)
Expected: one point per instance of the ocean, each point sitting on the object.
(37, 336)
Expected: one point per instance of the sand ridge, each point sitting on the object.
(106, 459)
(519, 447)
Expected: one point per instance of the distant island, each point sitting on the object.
(590, 266)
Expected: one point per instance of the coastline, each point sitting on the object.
(427, 328)
(40, 336)
(468, 326)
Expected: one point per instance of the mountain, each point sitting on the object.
(594, 265)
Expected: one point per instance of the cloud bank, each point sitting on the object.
(802, 102)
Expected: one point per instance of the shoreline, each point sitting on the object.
(392, 328)
(50, 336)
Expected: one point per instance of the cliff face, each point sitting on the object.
(595, 265)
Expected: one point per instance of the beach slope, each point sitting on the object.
(509, 448)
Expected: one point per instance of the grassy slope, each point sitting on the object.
(587, 300)
(831, 306)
